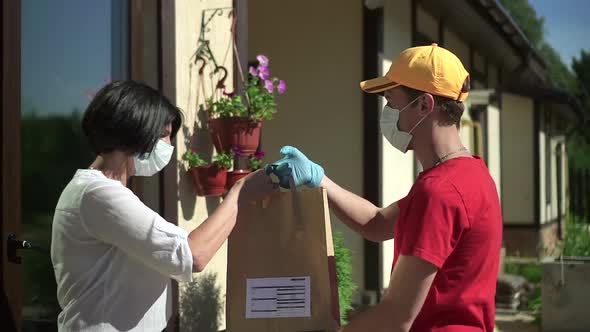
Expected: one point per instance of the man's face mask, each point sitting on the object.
(389, 123)
(152, 163)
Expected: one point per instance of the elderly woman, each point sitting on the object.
(113, 256)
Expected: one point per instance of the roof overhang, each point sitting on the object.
(486, 22)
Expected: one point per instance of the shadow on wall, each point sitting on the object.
(200, 139)
(200, 305)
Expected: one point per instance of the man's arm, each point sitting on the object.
(373, 223)
(409, 285)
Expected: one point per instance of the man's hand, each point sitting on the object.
(297, 165)
(255, 186)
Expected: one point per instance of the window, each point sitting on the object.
(69, 50)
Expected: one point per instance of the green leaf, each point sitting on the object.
(223, 160)
(194, 160)
(346, 286)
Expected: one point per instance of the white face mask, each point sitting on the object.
(389, 123)
(152, 163)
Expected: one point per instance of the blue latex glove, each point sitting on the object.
(296, 164)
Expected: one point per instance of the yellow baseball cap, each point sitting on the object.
(431, 69)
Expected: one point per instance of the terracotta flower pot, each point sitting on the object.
(240, 132)
(234, 176)
(209, 180)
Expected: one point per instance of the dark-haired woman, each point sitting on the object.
(113, 256)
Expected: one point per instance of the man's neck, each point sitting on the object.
(445, 143)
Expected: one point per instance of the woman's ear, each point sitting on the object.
(426, 104)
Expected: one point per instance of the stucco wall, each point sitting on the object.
(493, 148)
(426, 24)
(397, 169)
(517, 159)
(316, 47)
(193, 210)
(456, 45)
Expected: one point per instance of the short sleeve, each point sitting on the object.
(434, 221)
(111, 213)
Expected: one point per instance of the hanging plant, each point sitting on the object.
(235, 121)
(209, 179)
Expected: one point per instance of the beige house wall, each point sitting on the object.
(561, 141)
(193, 210)
(460, 48)
(426, 24)
(494, 146)
(553, 178)
(479, 63)
(493, 79)
(517, 159)
(545, 213)
(397, 169)
(321, 113)
(456, 45)
(549, 208)
(151, 185)
(466, 128)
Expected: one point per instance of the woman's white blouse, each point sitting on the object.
(113, 258)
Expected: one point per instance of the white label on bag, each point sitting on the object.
(278, 297)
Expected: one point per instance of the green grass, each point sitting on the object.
(576, 243)
(577, 237)
(533, 273)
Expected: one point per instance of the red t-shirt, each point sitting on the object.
(452, 219)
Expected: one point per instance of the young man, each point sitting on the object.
(448, 228)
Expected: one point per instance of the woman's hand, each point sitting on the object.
(255, 186)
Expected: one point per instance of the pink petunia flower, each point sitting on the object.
(253, 71)
(269, 86)
(263, 72)
(262, 59)
(237, 151)
(282, 87)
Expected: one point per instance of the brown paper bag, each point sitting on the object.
(281, 264)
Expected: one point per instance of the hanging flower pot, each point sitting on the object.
(240, 132)
(236, 120)
(209, 180)
(234, 176)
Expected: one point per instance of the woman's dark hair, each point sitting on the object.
(128, 116)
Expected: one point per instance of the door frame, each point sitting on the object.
(10, 167)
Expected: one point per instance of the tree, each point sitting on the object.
(579, 144)
(581, 69)
(526, 17)
(557, 73)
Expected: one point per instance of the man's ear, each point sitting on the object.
(426, 104)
